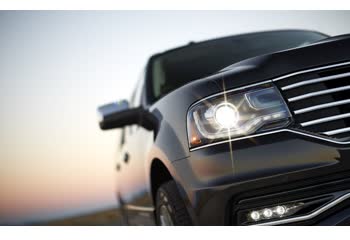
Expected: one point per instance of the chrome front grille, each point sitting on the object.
(319, 99)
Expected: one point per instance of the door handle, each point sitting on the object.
(117, 167)
(126, 157)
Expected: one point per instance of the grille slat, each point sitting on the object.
(326, 119)
(337, 131)
(320, 99)
(321, 106)
(312, 81)
(318, 93)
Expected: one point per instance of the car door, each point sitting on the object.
(133, 182)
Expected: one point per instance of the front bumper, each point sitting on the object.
(218, 181)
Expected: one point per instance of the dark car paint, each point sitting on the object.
(212, 179)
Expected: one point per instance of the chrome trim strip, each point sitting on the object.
(316, 80)
(337, 131)
(306, 217)
(311, 70)
(321, 106)
(326, 119)
(318, 93)
(139, 208)
(273, 132)
(236, 139)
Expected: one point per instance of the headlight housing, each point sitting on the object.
(236, 113)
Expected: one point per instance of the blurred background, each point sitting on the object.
(56, 67)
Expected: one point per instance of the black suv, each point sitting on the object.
(252, 129)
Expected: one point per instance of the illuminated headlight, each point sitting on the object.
(226, 115)
(234, 114)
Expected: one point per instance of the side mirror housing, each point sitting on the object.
(119, 114)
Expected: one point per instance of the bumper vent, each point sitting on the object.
(320, 100)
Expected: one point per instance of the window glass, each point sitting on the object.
(180, 66)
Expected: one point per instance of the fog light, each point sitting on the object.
(280, 210)
(267, 213)
(274, 212)
(255, 215)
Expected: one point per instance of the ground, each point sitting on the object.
(104, 218)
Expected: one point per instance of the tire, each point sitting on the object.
(170, 208)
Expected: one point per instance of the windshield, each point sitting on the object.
(180, 66)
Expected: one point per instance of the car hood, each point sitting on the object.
(325, 52)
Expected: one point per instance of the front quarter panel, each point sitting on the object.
(171, 114)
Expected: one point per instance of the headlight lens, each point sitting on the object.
(235, 114)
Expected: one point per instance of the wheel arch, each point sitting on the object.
(159, 174)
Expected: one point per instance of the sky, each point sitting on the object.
(56, 67)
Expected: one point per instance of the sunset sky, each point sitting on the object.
(57, 67)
